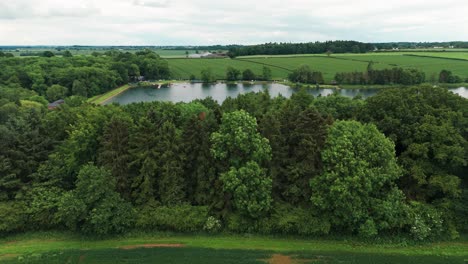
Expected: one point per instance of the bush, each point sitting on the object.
(284, 219)
(181, 218)
(12, 216)
(212, 224)
(43, 206)
(426, 222)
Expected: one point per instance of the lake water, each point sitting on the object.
(186, 92)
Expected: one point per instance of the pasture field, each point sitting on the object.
(173, 248)
(329, 66)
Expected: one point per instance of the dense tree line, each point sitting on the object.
(419, 45)
(382, 77)
(302, 48)
(394, 164)
(58, 77)
(304, 74)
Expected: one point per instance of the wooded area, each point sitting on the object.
(394, 164)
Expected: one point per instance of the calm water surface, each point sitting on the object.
(186, 92)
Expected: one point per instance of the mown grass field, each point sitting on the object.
(429, 62)
(170, 248)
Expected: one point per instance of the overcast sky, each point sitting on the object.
(206, 22)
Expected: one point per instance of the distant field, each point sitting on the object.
(329, 66)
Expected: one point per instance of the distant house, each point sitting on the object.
(55, 104)
(207, 55)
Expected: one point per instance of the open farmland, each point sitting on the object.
(329, 66)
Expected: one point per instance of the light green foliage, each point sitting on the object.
(426, 221)
(339, 107)
(56, 92)
(42, 206)
(238, 141)
(94, 206)
(212, 224)
(191, 110)
(242, 148)
(250, 187)
(357, 189)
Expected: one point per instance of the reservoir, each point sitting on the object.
(186, 92)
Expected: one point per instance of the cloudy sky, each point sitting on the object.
(205, 22)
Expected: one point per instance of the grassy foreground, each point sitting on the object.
(69, 248)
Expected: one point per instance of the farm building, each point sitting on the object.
(55, 104)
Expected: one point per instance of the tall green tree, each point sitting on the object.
(359, 181)
(94, 207)
(114, 153)
(239, 145)
(232, 74)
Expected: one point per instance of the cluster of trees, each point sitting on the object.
(233, 74)
(302, 48)
(86, 76)
(7, 54)
(393, 164)
(385, 76)
(446, 76)
(304, 74)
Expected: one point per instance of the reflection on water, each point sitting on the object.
(186, 92)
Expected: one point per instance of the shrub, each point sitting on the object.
(212, 224)
(183, 218)
(426, 221)
(12, 216)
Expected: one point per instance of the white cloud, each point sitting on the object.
(182, 22)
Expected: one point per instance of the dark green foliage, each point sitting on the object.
(12, 217)
(244, 166)
(304, 74)
(232, 74)
(428, 126)
(182, 218)
(297, 134)
(248, 75)
(207, 76)
(301, 48)
(446, 76)
(382, 77)
(95, 207)
(114, 152)
(266, 73)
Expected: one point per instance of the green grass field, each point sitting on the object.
(329, 66)
(68, 248)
